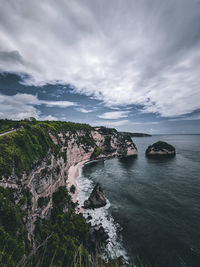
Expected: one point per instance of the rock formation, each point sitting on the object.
(69, 145)
(39, 164)
(96, 199)
(160, 149)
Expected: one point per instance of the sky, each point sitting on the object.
(129, 64)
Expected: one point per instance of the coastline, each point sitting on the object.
(100, 219)
(74, 171)
(73, 174)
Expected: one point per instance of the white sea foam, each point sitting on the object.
(101, 217)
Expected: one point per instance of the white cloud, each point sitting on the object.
(83, 110)
(60, 104)
(137, 53)
(118, 123)
(113, 115)
(111, 123)
(18, 107)
(143, 123)
(48, 118)
(21, 106)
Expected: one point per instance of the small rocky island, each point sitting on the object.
(160, 149)
(96, 199)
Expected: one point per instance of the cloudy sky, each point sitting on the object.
(129, 64)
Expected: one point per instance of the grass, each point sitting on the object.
(32, 142)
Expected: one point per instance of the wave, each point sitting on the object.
(101, 217)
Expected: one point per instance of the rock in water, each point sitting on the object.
(96, 199)
(160, 148)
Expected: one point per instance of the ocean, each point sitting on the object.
(153, 210)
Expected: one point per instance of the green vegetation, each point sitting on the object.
(45, 171)
(107, 145)
(13, 234)
(7, 125)
(97, 151)
(42, 201)
(31, 142)
(64, 156)
(22, 148)
(136, 134)
(63, 235)
(58, 170)
(86, 140)
(107, 131)
(62, 239)
(160, 145)
(72, 189)
(58, 239)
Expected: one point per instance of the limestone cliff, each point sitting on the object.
(70, 147)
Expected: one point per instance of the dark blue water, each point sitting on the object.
(156, 202)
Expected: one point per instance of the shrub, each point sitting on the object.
(97, 151)
(72, 189)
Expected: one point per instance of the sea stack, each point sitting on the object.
(96, 199)
(160, 149)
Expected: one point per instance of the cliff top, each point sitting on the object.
(8, 125)
(26, 141)
(137, 134)
(160, 145)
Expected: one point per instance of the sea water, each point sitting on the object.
(153, 210)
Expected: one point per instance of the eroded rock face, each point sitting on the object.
(113, 143)
(160, 149)
(51, 172)
(96, 199)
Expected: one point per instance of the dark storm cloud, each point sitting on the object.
(12, 57)
(122, 52)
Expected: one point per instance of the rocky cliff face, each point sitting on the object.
(47, 175)
(96, 198)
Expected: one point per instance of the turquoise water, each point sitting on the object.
(155, 204)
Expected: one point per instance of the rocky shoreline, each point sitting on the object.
(104, 231)
(94, 205)
(96, 198)
(73, 174)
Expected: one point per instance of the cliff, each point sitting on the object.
(136, 134)
(35, 162)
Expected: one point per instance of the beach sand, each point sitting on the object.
(73, 174)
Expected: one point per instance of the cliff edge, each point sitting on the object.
(37, 158)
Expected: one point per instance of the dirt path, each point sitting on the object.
(8, 132)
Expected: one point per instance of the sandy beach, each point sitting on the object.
(73, 174)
